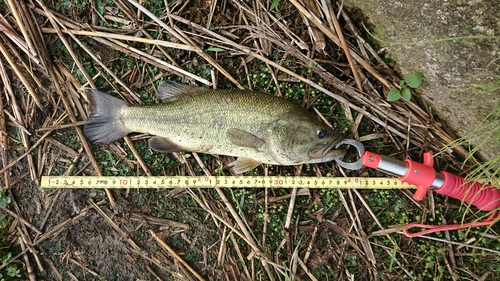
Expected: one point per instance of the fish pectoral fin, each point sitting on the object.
(164, 145)
(244, 164)
(244, 138)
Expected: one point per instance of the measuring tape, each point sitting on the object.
(221, 181)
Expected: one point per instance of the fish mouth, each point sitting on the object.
(328, 153)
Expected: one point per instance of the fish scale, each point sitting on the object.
(190, 123)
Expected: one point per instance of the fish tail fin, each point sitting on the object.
(103, 125)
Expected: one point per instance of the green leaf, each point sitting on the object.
(413, 80)
(406, 94)
(6, 257)
(393, 95)
(66, 4)
(100, 7)
(402, 83)
(214, 49)
(12, 270)
(274, 5)
(4, 200)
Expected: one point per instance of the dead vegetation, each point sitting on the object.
(51, 49)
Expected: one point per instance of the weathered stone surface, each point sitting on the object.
(449, 67)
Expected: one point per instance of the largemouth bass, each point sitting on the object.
(253, 126)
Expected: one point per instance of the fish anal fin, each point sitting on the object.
(165, 145)
(245, 164)
(244, 138)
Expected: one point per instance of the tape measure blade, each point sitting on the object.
(220, 181)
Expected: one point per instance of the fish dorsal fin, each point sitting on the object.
(244, 164)
(170, 91)
(164, 145)
(243, 138)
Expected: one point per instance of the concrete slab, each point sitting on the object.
(449, 67)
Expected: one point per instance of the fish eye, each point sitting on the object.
(321, 133)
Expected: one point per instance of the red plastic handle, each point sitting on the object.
(421, 175)
(484, 196)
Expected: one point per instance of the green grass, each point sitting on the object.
(7, 244)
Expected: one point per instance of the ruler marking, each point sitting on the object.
(220, 181)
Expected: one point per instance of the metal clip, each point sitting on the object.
(361, 150)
